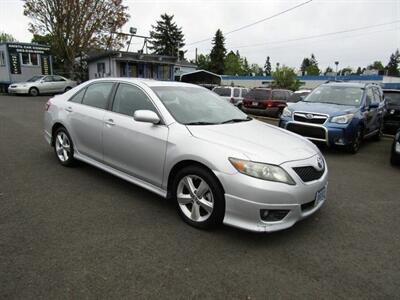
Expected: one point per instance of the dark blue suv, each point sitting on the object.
(338, 113)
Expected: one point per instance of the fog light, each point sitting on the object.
(339, 141)
(273, 215)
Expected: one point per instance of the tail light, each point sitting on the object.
(47, 105)
(269, 103)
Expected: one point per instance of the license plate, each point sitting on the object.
(320, 196)
(254, 103)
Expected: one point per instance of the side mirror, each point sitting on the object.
(373, 105)
(146, 116)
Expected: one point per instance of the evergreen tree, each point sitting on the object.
(203, 62)
(5, 37)
(245, 67)
(309, 66)
(328, 70)
(267, 67)
(217, 54)
(166, 38)
(304, 65)
(393, 65)
(285, 78)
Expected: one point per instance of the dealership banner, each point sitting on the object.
(14, 50)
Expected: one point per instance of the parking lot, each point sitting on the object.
(82, 233)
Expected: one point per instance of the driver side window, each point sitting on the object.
(369, 98)
(129, 99)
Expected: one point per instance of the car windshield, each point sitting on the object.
(197, 106)
(296, 97)
(340, 95)
(392, 98)
(224, 92)
(258, 94)
(35, 78)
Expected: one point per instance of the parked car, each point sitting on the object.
(50, 84)
(265, 101)
(341, 114)
(298, 96)
(184, 142)
(392, 117)
(233, 95)
(395, 156)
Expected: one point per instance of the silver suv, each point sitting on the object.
(233, 95)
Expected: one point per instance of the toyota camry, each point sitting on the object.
(185, 143)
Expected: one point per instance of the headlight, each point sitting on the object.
(344, 119)
(262, 171)
(286, 113)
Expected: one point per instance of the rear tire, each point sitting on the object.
(63, 147)
(33, 92)
(199, 197)
(67, 89)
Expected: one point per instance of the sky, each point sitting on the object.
(281, 38)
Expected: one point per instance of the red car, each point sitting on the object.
(266, 101)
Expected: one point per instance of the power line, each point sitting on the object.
(315, 36)
(318, 35)
(257, 22)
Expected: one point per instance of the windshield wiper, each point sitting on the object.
(200, 123)
(236, 120)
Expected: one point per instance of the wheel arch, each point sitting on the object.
(54, 128)
(183, 164)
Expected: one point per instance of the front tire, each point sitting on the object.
(355, 145)
(199, 197)
(33, 92)
(63, 147)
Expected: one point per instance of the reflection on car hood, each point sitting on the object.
(258, 141)
(324, 108)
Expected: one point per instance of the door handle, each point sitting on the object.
(110, 122)
(69, 109)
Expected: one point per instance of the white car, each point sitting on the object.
(184, 142)
(42, 84)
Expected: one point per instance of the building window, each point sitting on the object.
(101, 68)
(30, 59)
(164, 72)
(2, 58)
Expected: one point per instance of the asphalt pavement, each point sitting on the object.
(73, 233)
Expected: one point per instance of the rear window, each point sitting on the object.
(392, 98)
(259, 95)
(224, 92)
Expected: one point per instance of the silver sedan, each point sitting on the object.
(49, 84)
(183, 142)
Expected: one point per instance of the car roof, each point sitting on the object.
(144, 81)
(351, 84)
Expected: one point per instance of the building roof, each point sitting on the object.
(132, 56)
(311, 78)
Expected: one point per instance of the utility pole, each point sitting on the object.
(336, 63)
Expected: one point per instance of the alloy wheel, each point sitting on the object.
(63, 147)
(195, 198)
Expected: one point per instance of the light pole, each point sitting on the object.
(336, 63)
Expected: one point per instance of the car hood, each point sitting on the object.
(323, 108)
(257, 140)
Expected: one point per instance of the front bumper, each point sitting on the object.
(18, 90)
(333, 134)
(246, 196)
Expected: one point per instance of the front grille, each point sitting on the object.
(308, 173)
(310, 118)
(307, 131)
(308, 205)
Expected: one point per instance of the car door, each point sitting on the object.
(59, 84)
(136, 148)
(46, 85)
(86, 112)
(371, 112)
